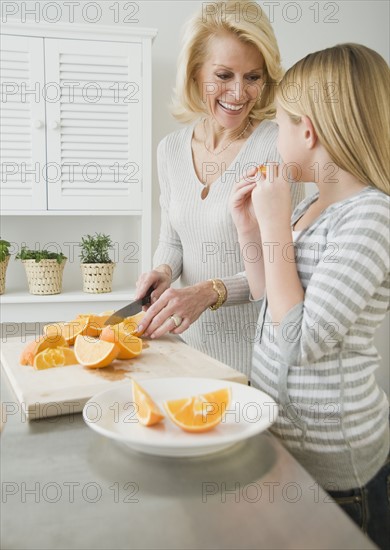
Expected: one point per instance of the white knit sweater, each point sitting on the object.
(198, 240)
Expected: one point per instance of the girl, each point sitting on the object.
(320, 307)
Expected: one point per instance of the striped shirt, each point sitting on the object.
(319, 362)
(199, 241)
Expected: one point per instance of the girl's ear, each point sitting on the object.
(310, 135)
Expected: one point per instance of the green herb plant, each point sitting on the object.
(4, 249)
(94, 249)
(38, 255)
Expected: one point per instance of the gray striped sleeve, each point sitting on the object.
(341, 286)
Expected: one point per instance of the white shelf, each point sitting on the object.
(23, 297)
(22, 307)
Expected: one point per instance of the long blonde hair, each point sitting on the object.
(244, 20)
(344, 91)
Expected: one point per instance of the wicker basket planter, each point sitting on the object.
(3, 269)
(97, 278)
(45, 276)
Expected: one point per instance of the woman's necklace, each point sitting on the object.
(206, 188)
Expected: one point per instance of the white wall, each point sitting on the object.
(300, 27)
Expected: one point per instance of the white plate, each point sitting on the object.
(112, 414)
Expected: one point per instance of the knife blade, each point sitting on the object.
(131, 309)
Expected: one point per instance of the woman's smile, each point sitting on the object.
(232, 108)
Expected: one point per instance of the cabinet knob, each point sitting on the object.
(37, 124)
(54, 125)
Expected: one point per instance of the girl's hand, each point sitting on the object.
(271, 197)
(160, 278)
(240, 204)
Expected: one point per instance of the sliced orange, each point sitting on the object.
(36, 346)
(130, 345)
(148, 412)
(95, 323)
(201, 412)
(262, 169)
(95, 353)
(131, 324)
(54, 357)
(69, 330)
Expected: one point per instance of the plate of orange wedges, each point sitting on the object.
(180, 417)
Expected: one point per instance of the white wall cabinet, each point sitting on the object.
(75, 140)
(95, 130)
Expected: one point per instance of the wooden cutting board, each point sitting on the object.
(64, 390)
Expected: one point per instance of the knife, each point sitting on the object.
(131, 309)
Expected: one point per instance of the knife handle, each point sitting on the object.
(147, 298)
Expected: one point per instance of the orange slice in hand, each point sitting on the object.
(148, 412)
(130, 345)
(54, 357)
(36, 346)
(95, 353)
(262, 169)
(200, 413)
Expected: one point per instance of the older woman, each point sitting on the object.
(228, 69)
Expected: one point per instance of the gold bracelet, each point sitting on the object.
(220, 289)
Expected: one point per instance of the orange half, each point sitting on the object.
(95, 353)
(148, 412)
(200, 413)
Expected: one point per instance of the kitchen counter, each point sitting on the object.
(66, 487)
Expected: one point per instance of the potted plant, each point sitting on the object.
(44, 270)
(4, 259)
(96, 265)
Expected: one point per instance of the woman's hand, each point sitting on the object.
(271, 198)
(241, 207)
(188, 303)
(160, 278)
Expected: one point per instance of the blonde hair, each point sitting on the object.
(244, 20)
(344, 91)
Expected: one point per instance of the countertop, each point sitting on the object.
(66, 487)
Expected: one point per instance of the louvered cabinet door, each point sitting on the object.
(94, 119)
(22, 124)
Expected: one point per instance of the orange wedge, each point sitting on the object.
(262, 169)
(54, 357)
(200, 413)
(130, 345)
(36, 346)
(69, 330)
(148, 412)
(95, 353)
(95, 323)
